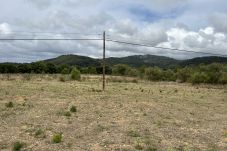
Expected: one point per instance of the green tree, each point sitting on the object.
(120, 69)
(75, 74)
(199, 77)
(65, 71)
(154, 74)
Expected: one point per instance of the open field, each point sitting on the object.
(129, 116)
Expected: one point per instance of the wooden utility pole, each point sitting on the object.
(103, 63)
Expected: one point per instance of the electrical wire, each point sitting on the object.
(175, 49)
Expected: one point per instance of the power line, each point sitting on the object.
(61, 33)
(175, 49)
(135, 39)
(49, 39)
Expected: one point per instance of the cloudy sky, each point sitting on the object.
(198, 25)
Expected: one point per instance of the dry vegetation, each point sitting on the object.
(48, 114)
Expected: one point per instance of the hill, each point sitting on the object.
(203, 60)
(141, 60)
(81, 61)
(134, 61)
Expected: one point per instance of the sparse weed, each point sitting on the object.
(133, 133)
(27, 77)
(9, 104)
(17, 146)
(100, 128)
(96, 90)
(159, 124)
(73, 109)
(67, 114)
(139, 146)
(75, 74)
(62, 79)
(57, 138)
(225, 134)
(40, 133)
(151, 148)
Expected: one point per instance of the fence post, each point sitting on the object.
(103, 62)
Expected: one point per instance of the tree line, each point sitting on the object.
(213, 73)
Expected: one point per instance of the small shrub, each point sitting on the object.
(9, 104)
(73, 109)
(65, 71)
(75, 74)
(133, 133)
(151, 148)
(134, 81)
(39, 133)
(198, 77)
(96, 90)
(68, 114)
(27, 77)
(62, 79)
(17, 146)
(138, 147)
(57, 138)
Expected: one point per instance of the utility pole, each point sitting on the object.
(103, 63)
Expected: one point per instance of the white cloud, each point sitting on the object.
(190, 28)
(4, 28)
(218, 21)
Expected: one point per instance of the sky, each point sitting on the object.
(197, 25)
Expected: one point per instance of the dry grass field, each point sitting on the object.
(49, 115)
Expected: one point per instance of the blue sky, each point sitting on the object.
(198, 25)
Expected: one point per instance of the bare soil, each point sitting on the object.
(130, 115)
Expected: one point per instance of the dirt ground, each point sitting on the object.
(130, 115)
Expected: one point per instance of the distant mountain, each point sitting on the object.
(134, 61)
(81, 61)
(203, 60)
(140, 60)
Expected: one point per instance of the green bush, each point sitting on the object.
(68, 114)
(17, 146)
(223, 78)
(154, 74)
(39, 133)
(65, 71)
(121, 69)
(57, 138)
(9, 104)
(75, 74)
(183, 75)
(73, 109)
(62, 79)
(199, 77)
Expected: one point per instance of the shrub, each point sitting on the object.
(121, 69)
(73, 109)
(223, 78)
(153, 74)
(68, 114)
(133, 133)
(199, 77)
(138, 147)
(17, 146)
(184, 74)
(40, 133)
(65, 71)
(75, 74)
(9, 104)
(151, 148)
(57, 138)
(62, 79)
